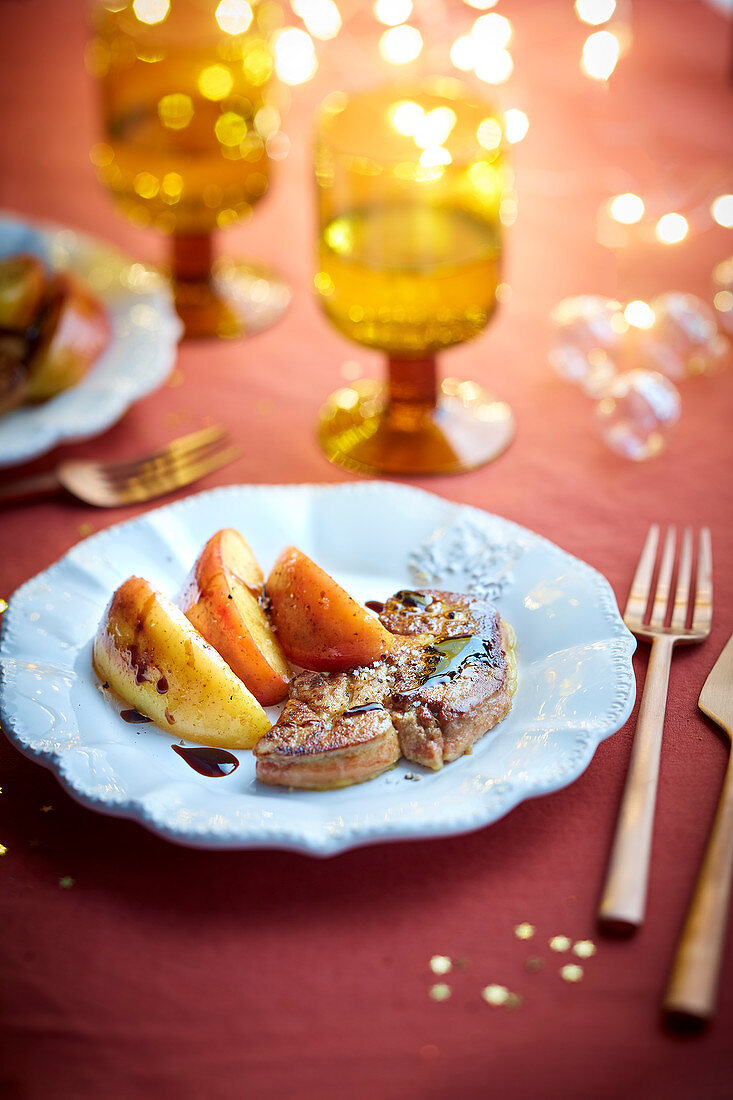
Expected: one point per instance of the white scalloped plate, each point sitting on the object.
(576, 684)
(138, 359)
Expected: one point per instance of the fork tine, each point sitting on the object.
(684, 578)
(702, 612)
(664, 581)
(642, 582)
(177, 447)
(151, 469)
(141, 489)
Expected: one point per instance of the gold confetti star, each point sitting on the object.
(441, 964)
(524, 931)
(440, 992)
(559, 943)
(3, 849)
(85, 528)
(46, 809)
(67, 882)
(496, 994)
(3, 605)
(571, 973)
(534, 964)
(584, 949)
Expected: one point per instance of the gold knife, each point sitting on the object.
(692, 987)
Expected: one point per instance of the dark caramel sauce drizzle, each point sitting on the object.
(133, 715)
(365, 708)
(453, 656)
(213, 763)
(375, 605)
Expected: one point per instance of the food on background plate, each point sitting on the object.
(318, 624)
(222, 598)
(52, 329)
(448, 679)
(148, 652)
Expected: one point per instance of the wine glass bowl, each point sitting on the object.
(189, 121)
(410, 181)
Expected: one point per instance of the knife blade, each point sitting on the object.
(716, 697)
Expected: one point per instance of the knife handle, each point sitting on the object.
(693, 985)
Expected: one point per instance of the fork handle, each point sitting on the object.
(624, 895)
(696, 969)
(25, 487)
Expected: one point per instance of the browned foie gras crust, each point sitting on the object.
(318, 744)
(438, 718)
(413, 710)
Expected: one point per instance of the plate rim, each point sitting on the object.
(305, 842)
(46, 436)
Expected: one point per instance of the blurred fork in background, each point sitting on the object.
(110, 484)
(624, 896)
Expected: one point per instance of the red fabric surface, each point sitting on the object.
(167, 972)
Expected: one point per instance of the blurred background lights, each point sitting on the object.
(434, 157)
(399, 45)
(671, 228)
(628, 208)
(516, 125)
(600, 54)
(462, 53)
(175, 111)
(492, 30)
(234, 16)
(295, 56)
(393, 12)
(595, 12)
(215, 82)
(639, 314)
(494, 66)
(151, 11)
(434, 127)
(321, 17)
(406, 116)
(722, 211)
(481, 5)
(489, 134)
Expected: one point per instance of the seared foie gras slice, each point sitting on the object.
(454, 680)
(334, 731)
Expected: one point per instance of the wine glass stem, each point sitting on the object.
(192, 257)
(412, 387)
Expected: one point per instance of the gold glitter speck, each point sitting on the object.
(440, 992)
(571, 973)
(513, 1001)
(560, 943)
(496, 994)
(3, 849)
(85, 528)
(533, 964)
(440, 964)
(46, 809)
(66, 882)
(584, 949)
(175, 378)
(3, 606)
(524, 931)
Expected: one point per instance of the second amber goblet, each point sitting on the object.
(410, 182)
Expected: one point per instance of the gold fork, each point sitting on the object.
(624, 895)
(109, 484)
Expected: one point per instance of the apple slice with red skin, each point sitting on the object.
(73, 331)
(318, 624)
(22, 282)
(222, 600)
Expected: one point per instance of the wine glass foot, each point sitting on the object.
(238, 299)
(359, 431)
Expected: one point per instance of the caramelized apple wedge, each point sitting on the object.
(318, 624)
(74, 330)
(153, 658)
(22, 279)
(222, 600)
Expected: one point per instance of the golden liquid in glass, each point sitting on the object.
(409, 278)
(174, 156)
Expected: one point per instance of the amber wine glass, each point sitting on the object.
(410, 182)
(189, 123)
